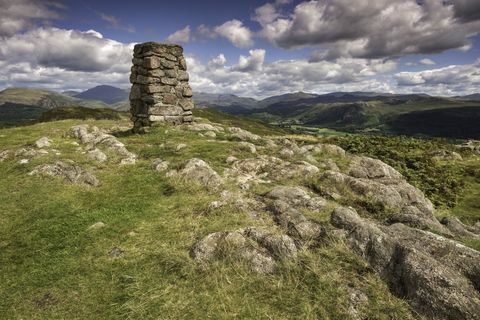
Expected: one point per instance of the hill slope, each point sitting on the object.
(136, 226)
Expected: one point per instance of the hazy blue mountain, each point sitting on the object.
(288, 97)
(104, 93)
(203, 99)
(471, 97)
(71, 93)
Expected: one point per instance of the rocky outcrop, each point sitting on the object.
(262, 169)
(160, 165)
(160, 90)
(446, 155)
(4, 155)
(470, 145)
(322, 148)
(259, 249)
(238, 202)
(71, 173)
(97, 155)
(297, 225)
(243, 135)
(43, 142)
(30, 153)
(459, 229)
(98, 139)
(376, 180)
(198, 171)
(296, 197)
(438, 277)
(247, 146)
(203, 127)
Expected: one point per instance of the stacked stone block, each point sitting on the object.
(160, 91)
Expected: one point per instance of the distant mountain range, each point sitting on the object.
(409, 114)
(413, 114)
(106, 94)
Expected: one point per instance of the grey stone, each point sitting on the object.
(438, 277)
(446, 155)
(164, 110)
(231, 159)
(160, 165)
(182, 63)
(247, 146)
(169, 81)
(203, 127)
(297, 197)
(97, 155)
(235, 244)
(197, 170)
(157, 88)
(296, 224)
(43, 142)
(171, 73)
(280, 246)
(210, 134)
(187, 91)
(183, 75)
(30, 153)
(152, 62)
(156, 73)
(4, 155)
(186, 104)
(69, 172)
(243, 135)
(97, 225)
(180, 146)
(97, 138)
(459, 229)
(167, 64)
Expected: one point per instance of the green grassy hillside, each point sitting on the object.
(53, 266)
(13, 113)
(24, 105)
(65, 113)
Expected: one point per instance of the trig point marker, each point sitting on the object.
(160, 91)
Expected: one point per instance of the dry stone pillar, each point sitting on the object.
(160, 91)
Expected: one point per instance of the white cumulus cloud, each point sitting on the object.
(182, 35)
(372, 29)
(235, 32)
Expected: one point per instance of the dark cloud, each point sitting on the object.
(18, 15)
(372, 29)
(467, 10)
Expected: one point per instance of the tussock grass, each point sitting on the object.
(53, 267)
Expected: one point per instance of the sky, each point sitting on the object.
(248, 48)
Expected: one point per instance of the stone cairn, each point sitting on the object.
(160, 91)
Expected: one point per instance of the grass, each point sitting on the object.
(252, 125)
(81, 113)
(53, 267)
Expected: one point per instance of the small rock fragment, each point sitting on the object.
(247, 146)
(199, 171)
(231, 159)
(210, 134)
(43, 142)
(97, 155)
(97, 225)
(116, 252)
(180, 146)
(160, 165)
